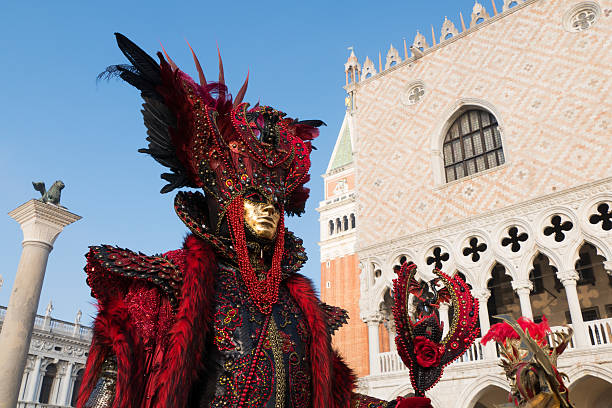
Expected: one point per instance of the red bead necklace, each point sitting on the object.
(264, 293)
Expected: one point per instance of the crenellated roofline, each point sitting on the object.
(420, 48)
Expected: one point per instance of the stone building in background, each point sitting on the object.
(56, 362)
(485, 151)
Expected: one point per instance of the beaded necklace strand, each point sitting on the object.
(264, 293)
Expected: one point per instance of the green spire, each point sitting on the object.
(343, 152)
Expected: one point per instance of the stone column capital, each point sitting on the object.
(42, 222)
(522, 286)
(481, 294)
(372, 318)
(568, 277)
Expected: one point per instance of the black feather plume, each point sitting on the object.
(145, 75)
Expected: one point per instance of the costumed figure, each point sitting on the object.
(530, 361)
(226, 321)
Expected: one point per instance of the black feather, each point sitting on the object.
(145, 75)
(142, 61)
(313, 123)
(114, 71)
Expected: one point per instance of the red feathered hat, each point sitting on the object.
(222, 146)
(210, 141)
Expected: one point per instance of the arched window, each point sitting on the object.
(338, 225)
(345, 223)
(47, 384)
(352, 220)
(331, 227)
(472, 144)
(77, 386)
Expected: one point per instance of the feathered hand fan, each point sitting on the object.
(419, 337)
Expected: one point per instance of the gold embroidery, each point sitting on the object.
(276, 344)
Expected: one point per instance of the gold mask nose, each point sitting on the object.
(261, 219)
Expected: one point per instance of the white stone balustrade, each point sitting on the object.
(599, 333)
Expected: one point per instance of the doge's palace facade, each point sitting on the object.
(485, 150)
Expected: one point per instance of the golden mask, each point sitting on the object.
(261, 218)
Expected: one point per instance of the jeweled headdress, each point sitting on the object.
(420, 341)
(529, 353)
(210, 141)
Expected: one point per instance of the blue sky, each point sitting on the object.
(58, 123)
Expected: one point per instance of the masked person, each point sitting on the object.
(226, 321)
(528, 354)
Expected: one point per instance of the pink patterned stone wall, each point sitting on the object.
(549, 88)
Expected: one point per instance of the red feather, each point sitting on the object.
(186, 339)
(320, 351)
(344, 382)
(500, 332)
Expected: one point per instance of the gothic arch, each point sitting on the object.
(574, 254)
(527, 261)
(592, 385)
(445, 121)
(579, 371)
(510, 270)
(474, 390)
(379, 295)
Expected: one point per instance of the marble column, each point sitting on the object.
(569, 280)
(523, 290)
(41, 223)
(373, 323)
(390, 326)
(27, 376)
(34, 379)
(64, 394)
(444, 318)
(483, 314)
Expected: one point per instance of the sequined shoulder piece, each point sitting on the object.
(164, 271)
(335, 317)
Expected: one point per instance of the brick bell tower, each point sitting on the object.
(338, 219)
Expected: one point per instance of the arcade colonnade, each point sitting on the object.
(551, 256)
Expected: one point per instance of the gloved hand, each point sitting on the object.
(413, 402)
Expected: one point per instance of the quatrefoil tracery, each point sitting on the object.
(603, 215)
(514, 239)
(438, 258)
(474, 249)
(558, 228)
